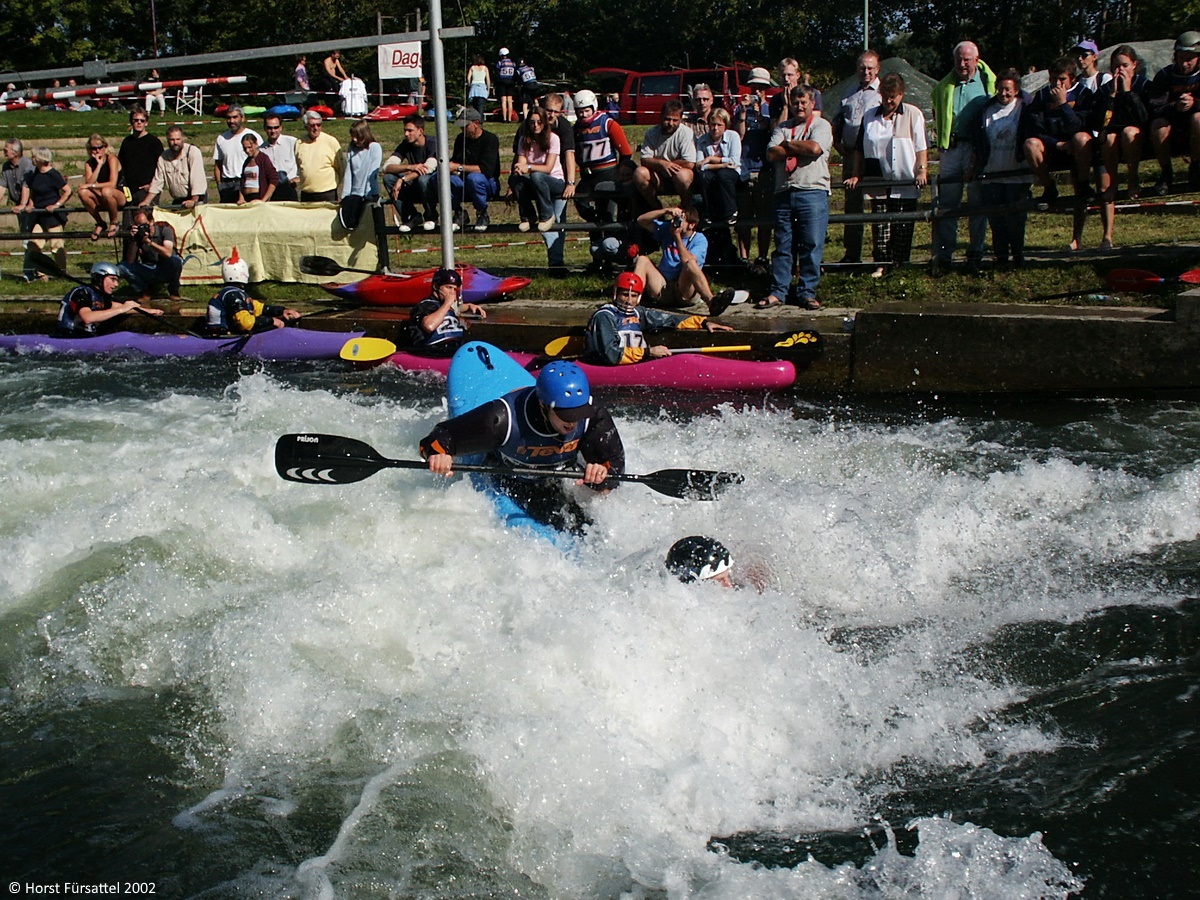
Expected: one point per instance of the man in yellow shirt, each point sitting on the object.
(319, 162)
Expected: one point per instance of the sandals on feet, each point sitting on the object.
(768, 302)
(112, 230)
(97, 232)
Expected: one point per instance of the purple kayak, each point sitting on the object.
(682, 372)
(279, 343)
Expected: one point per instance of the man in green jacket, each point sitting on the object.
(958, 102)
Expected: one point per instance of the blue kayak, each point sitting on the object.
(279, 343)
(479, 373)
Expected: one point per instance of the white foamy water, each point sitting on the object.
(414, 696)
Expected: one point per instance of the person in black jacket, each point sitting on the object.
(1055, 128)
(1119, 117)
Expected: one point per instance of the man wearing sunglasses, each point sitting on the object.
(139, 155)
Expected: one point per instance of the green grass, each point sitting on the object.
(1165, 243)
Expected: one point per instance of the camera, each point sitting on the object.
(141, 233)
(672, 219)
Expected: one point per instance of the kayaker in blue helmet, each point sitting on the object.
(86, 306)
(549, 425)
(433, 325)
(615, 332)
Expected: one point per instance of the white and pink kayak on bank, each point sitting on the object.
(682, 372)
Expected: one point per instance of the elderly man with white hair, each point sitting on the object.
(958, 102)
(319, 162)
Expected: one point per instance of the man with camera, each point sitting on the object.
(679, 279)
(150, 256)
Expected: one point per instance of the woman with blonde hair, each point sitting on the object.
(100, 191)
(44, 193)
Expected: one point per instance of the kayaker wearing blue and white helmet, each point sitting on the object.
(549, 425)
(86, 306)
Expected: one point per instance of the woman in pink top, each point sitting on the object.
(537, 174)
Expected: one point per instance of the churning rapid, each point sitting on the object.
(973, 670)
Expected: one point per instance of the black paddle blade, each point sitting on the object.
(319, 265)
(691, 484)
(325, 459)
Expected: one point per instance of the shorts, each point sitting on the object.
(506, 90)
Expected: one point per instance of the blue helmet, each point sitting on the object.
(447, 276)
(564, 388)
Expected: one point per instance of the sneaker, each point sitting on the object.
(482, 222)
(524, 226)
(429, 225)
(405, 228)
(739, 297)
(462, 220)
(546, 224)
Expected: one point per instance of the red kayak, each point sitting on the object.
(410, 288)
(682, 372)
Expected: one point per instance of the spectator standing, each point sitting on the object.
(799, 149)
(602, 150)
(1119, 118)
(958, 101)
(12, 174)
(280, 148)
(301, 76)
(360, 183)
(318, 161)
(156, 94)
(407, 173)
(752, 121)
(846, 122)
(1085, 53)
(506, 84)
(702, 107)
(229, 155)
(180, 173)
(44, 193)
(1175, 111)
(335, 74)
(667, 159)
(527, 79)
(259, 178)
(99, 191)
(555, 239)
(999, 149)
(139, 155)
(891, 144)
(720, 163)
(479, 85)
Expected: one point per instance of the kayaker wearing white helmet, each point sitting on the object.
(232, 309)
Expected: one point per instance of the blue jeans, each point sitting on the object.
(474, 186)
(801, 219)
(143, 277)
(556, 241)
(952, 167)
(411, 193)
(536, 193)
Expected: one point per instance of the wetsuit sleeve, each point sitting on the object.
(480, 430)
(601, 444)
(258, 318)
(620, 143)
(659, 320)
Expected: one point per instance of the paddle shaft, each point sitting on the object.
(332, 459)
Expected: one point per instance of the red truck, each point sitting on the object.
(641, 95)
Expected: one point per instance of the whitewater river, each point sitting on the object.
(974, 672)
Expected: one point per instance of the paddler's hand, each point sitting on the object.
(290, 315)
(660, 351)
(473, 309)
(593, 473)
(710, 326)
(131, 305)
(443, 463)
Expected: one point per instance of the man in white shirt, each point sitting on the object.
(668, 160)
(280, 148)
(229, 156)
(846, 122)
